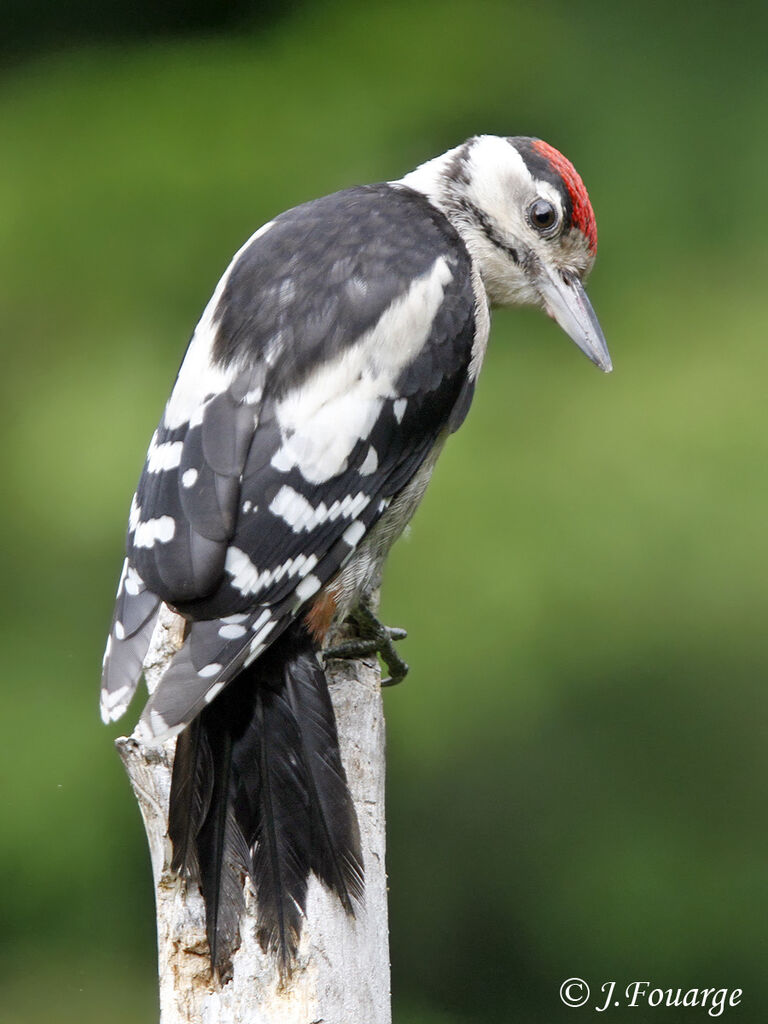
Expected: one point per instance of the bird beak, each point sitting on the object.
(566, 302)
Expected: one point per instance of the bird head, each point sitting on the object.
(526, 219)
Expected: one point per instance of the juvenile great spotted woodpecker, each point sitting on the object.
(338, 352)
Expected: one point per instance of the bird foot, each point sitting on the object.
(373, 638)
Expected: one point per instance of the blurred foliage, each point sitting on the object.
(577, 765)
(35, 26)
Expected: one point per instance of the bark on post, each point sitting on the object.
(342, 974)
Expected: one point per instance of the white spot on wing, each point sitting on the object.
(253, 653)
(214, 691)
(119, 630)
(189, 478)
(263, 633)
(398, 408)
(370, 464)
(134, 584)
(162, 457)
(198, 414)
(308, 586)
(209, 670)
(161, 530)
(231, 632)
(261, 620)
(113, 704)
(300, 514)
(147, 732)
(353, 533)
(282, 460)
(134, 515)
(247, 578)
(294, 508)
(262, 628)
(123, 574)
(245, 575)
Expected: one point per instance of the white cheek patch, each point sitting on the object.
(499, 178)
(323, 420)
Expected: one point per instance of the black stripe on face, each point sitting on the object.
(488, 229)
(457, 171)
(541, 170)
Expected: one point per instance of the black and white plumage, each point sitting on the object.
(338, 351)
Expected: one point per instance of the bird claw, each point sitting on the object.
(374, 638)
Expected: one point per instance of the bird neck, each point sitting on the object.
(443, 181)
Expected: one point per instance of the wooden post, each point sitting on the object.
(342, 972)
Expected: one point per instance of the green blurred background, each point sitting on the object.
(577, 763)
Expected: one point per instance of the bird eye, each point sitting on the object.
(542, 215)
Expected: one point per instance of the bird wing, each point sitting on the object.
(334, 352)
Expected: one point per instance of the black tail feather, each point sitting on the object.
(273, 810)
(335, 852)
(259, 789)
(223, 855)
(191, 791)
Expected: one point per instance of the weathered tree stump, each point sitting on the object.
(342, 970)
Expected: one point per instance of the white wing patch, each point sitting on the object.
(322, 420)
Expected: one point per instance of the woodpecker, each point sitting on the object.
(337, 353)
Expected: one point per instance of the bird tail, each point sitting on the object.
(259, 792)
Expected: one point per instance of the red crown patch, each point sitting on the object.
(583, 214)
